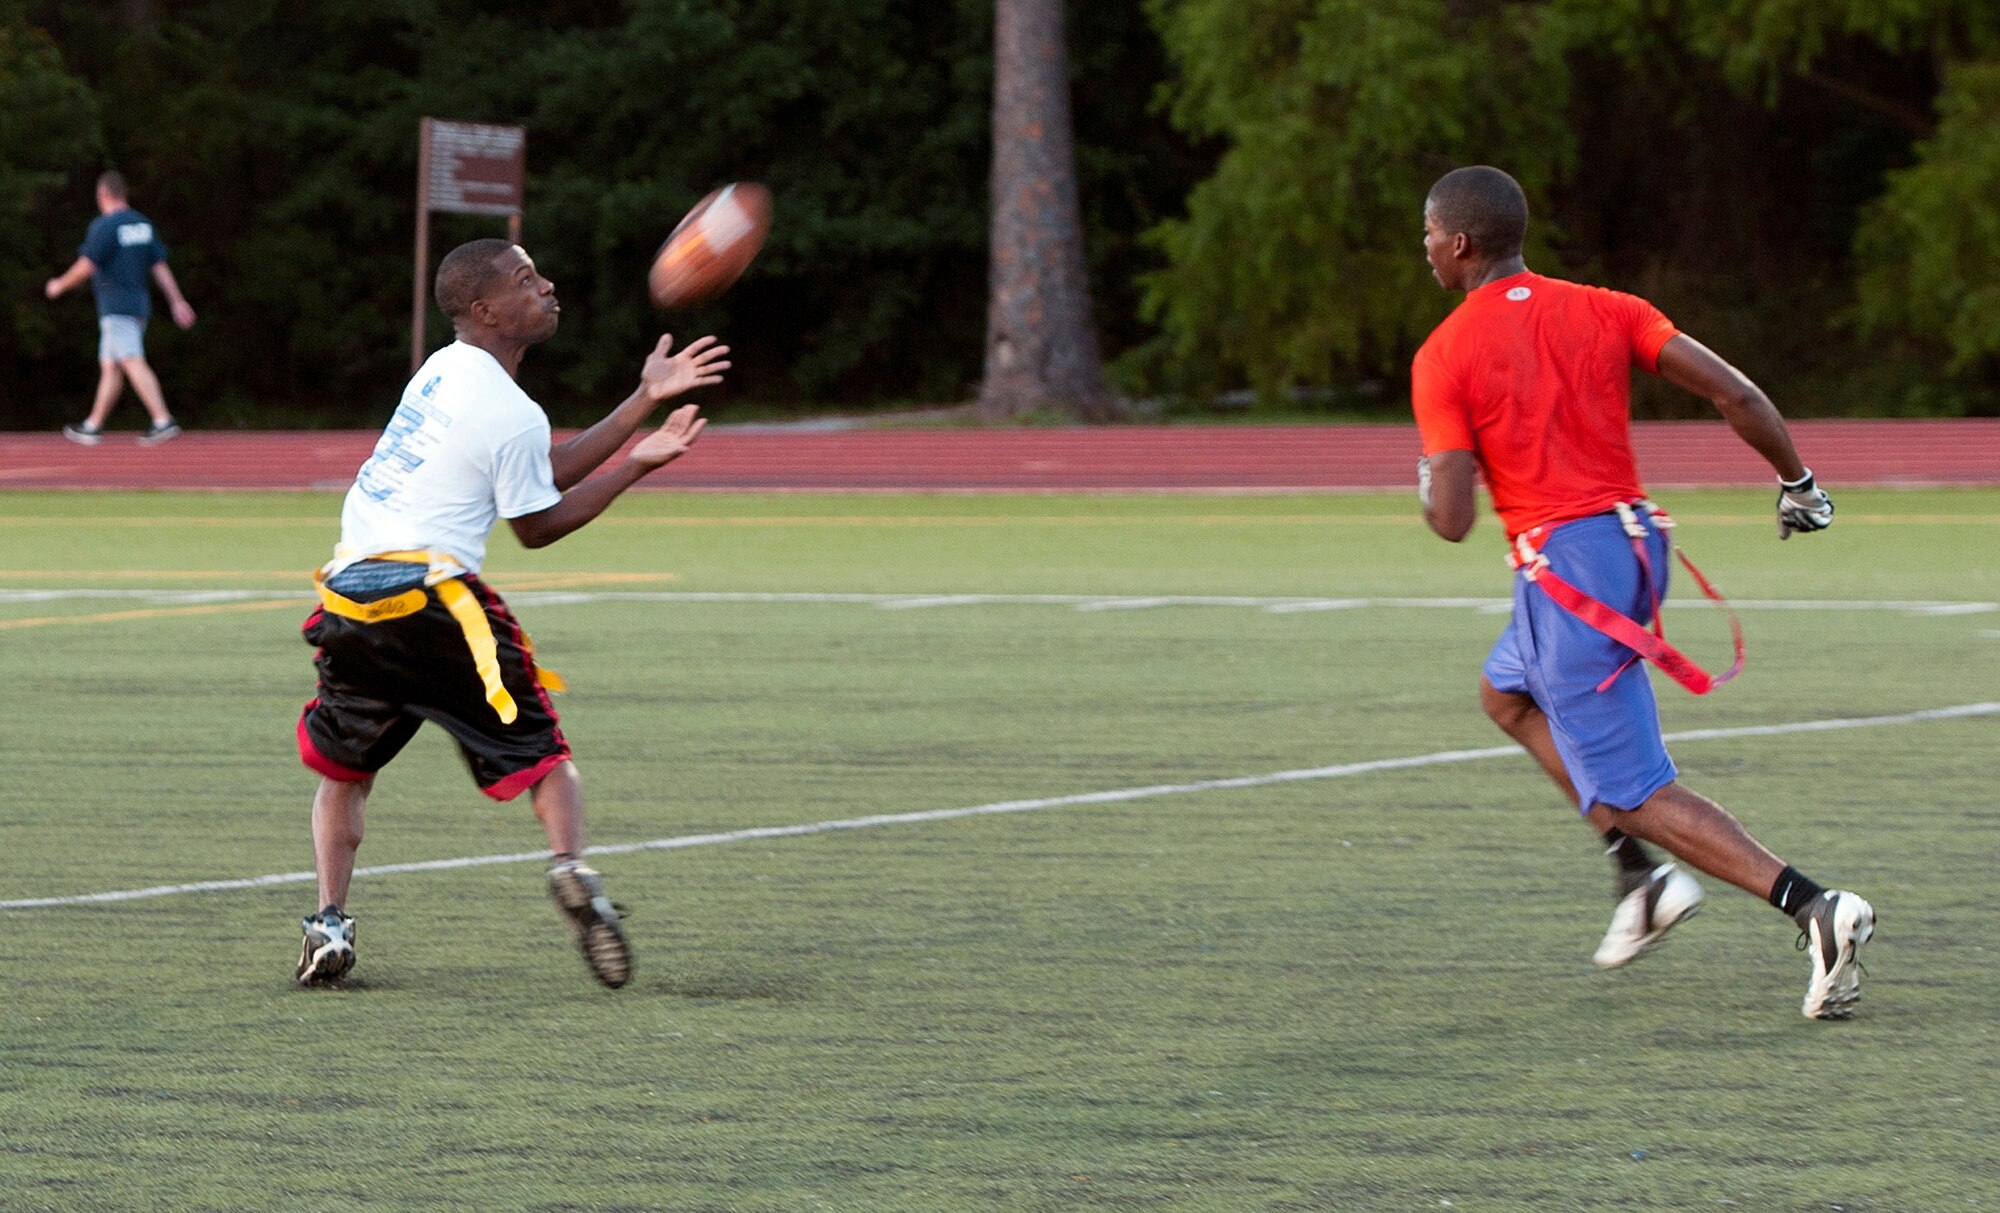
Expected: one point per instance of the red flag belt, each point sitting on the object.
(1650, 644)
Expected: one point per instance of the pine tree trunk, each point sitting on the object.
(1041, 347)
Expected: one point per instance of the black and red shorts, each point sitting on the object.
(380, 680)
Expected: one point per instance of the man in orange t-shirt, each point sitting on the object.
(1528, 385)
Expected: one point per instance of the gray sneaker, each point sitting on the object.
(157, 434)
(1832, 930)
(83, 433)
(579, 893)
(327, 952)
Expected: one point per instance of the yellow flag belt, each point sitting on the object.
(464, 606)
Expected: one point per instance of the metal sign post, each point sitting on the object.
(465, 168)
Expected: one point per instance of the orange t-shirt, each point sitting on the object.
(1533, 375)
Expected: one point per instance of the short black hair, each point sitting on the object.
(113, 183)
(1484, 203)
(467, 273)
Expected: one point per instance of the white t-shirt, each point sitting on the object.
(466, 447)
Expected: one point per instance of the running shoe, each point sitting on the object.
(1832, 929)
(1646, 914)
(157, 434)
(327, 952)
(579, 893)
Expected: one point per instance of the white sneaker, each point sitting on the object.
(1835, 926)
(1646, 914)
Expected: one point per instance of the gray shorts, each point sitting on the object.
(120, 337)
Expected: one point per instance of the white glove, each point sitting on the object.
(1802, 506)
(1424, 480)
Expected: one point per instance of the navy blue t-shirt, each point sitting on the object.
(124, 249)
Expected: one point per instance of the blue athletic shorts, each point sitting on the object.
(1610, 740)
(120, 337)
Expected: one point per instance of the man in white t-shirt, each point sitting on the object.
(407, 631)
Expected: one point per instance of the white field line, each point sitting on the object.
(1114, 796)
(941, 600)
(155, 597)
(1317, 604)
(1081, 602)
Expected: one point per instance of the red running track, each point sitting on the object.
(1141, 458)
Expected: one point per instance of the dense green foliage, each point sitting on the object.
(1747, 163)
(1297, 260)
(1930, 246)
(1364, 993)
(48, 121)
(1808, 187)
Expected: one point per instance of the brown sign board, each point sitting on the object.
(473, 168)
(467, 168)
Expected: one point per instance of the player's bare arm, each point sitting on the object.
(1687, 363)
(1446, 490)
(664, 445)
(663, 377)
(76, 275)
(177, 303)
(1802, 505)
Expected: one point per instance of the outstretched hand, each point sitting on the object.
(672, 440)
(700, 364)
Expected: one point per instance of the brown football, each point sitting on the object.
(710, 248)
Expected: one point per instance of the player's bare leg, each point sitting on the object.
(336, 824)
(1677, 819)
(1652, 896)
(1701, 833)
(327, 951)
(577, 888)
(558, 800)
(110, 384)
(147, 385)
(1519, 718)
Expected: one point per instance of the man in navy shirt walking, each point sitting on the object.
(119, 252)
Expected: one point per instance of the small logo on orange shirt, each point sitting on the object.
(1519, 293)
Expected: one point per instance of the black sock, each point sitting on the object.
(1792, 892)
(1630, 857)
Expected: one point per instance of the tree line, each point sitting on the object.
(1811, 189)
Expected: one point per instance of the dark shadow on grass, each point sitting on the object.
(346, 985)
(733, 987)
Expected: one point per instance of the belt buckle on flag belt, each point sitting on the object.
(465, 608)
(1652, 645)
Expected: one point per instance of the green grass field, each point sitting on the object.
(1364, 992)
